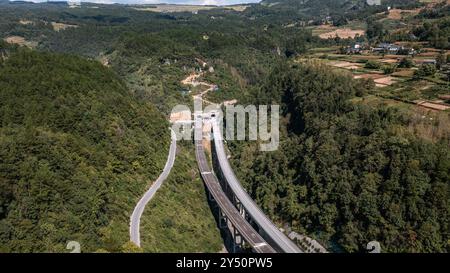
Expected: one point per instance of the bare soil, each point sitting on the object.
(343, 33)
(60, 26)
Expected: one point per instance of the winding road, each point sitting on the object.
(135, 218)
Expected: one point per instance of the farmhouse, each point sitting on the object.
(393, 49)
(354, 49)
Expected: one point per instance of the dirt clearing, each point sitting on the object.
(373, 76)
(182, 116)
(345, 65)
(406, 73)
(385, 81)
(398, 14)
(18, 40)
(61, 26)
(432, 105)
(343, 33)
(26, 22)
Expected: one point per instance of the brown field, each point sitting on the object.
(345, 65)
(427, 54)
(389, 61)
(432, 105)
(373, 76)
(430, 124)
(26, 22)
(384, 81)
(398, 14)
(343, 33)
(407, 73)
(353, 67)
(61, 26)
(421, 61)
(15, 40)
(182, 116)
(317, 30)
(18, 40)
(444, 97)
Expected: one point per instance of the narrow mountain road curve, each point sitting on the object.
(135, 218)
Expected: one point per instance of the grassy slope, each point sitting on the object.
(178, 219)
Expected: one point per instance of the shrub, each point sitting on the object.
(372, 65)
(389, 69)
(425, 70)
(406, 63)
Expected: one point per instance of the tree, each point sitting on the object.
(441, 60)
(425, 70)
(406, 63)
(375, 30)
(389, 69)
(75, 143)
(130, 247)
(356, 173)
(372, 65)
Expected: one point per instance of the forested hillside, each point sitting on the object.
(76, 151)
(275, 11)
(179, 219)
(83, 135)
(348, 174)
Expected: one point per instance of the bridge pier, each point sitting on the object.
(247, 217)
(210, 197)
(221, 195)
(238, 241)
(239, 206)
(237, 237)
(223, 220)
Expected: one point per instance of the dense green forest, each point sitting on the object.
(347, 173)
(76, 152)
(83, 127)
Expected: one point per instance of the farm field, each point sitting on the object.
(352, 30)
(19, 40)
(399, 85)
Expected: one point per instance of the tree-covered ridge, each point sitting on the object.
(76, 153)
(275, 11)
(348, 174)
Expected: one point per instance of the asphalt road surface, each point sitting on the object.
(135, 218)
(278, 237)
(249, 234)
